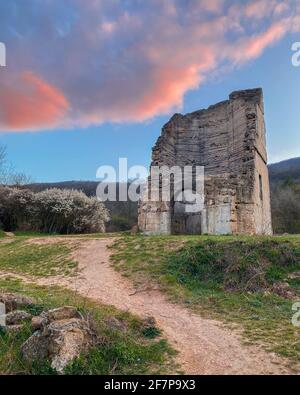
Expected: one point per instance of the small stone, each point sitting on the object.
(149, 322)
(116, 324)
(17, 317)
(38, 322)
(62, 313)
(13, 329)
(59, 340)
(14, 301)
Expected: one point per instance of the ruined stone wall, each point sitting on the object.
(229, 140)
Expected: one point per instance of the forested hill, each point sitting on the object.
(287, 169)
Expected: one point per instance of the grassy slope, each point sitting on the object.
(128, 351)
(226, 278)
(18, 256)
(29, 234)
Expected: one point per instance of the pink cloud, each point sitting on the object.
(259, 8)
(108, 60)
(253, 47)
(30, 103)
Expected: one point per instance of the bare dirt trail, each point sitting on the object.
(205, 346)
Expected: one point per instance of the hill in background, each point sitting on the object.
(280, 172)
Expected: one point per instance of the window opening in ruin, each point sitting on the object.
(261, 188)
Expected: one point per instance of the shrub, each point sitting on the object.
(16, 208)
(51, 211)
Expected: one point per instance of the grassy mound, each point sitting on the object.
(246, 265)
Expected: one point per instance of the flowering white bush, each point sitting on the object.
(15, 207)
(51, 211)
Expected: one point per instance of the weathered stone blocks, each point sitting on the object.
(229, 140)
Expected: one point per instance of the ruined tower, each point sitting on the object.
(229, 140)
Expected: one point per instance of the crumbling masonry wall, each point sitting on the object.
(229, 140)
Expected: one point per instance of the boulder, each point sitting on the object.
(13, 329)
(38, 322)
(62, 313)
(62, 336)
(35, 348)
(14, 301)
(68, 339)
(17, 317)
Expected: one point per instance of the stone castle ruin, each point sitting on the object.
(229, 140)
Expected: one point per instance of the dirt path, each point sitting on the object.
(205, 346)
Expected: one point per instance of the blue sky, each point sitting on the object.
(75, 152)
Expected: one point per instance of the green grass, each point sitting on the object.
(44, 260)
(2, 234)
(123, 351)
(232, 279)
(81, 236)
(19, 233)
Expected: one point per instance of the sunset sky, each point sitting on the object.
(89, 81)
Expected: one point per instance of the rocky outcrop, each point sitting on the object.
(61, 335)
(17, 317)
(14, 301)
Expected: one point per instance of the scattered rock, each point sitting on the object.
(149, 328)
(13, 329)
(149, 322)
(62, 335)
(284, 290)
(38, 322)
(116, 324)
(14, 301)
(62, 313)
(17, 317)
(35, 348)
(68, 339)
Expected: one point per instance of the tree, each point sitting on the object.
(286, 208)
(8, 174)
(16, 208)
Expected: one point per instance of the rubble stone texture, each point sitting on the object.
(60, 336)
(229, 140)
